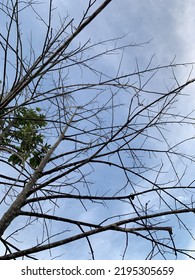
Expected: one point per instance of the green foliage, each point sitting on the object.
(25, 137)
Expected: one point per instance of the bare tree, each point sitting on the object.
(85, 151)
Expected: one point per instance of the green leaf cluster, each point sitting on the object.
(25, 137)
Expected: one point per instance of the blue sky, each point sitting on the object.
(168, 27)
